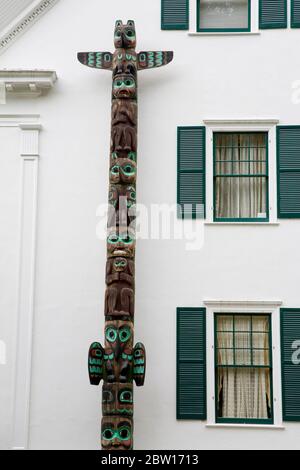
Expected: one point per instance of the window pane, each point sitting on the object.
(224, 14)
(244, 393)
(261, 358)
(225, 357)
(243, 357)
(241, 198)
(225, 323)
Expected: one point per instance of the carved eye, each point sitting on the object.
(113, 239)
(118, 34)
(126, 396)
(127, 240)
(111, 335)
(107, 396)
(124, 433)
(138, 353)
(133, 195)
(115, 170)
(129, 83)
(118, 83)
(108, 434)
(128, 169)
(121, 264)
(130, 33)
(124, 334)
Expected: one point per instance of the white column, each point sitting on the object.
(29, 154)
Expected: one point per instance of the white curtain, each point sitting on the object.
(241, 197)
(243, 393)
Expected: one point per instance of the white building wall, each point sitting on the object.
(227, 77)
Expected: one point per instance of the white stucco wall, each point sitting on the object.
(225, 77)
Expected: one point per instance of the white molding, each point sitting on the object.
(228, 304)
(29, 156)
(247, 426)
(250, 124)
(242, 122)
(248, 307)
(26, 83)
(24, 21)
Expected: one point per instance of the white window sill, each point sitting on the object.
(246, 426)
(243, 223)
(226, 33)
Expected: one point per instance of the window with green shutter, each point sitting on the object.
(191, 172)
(175, 14)
(290, 357)
(191, 363)
(295, 14)
(272, 14)
(288, 171)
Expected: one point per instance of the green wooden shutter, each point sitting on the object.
(174, 14)
(295, 12)
(272, 14)
(191, 363)
(191, 172)
(288, 171)
(290, 333)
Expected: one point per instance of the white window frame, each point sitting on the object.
(241, 125)
(254, 22)
(243, 307)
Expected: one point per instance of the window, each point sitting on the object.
(224, 15)
(243, 369)
(241, 176)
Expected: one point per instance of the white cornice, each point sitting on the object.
(243, 303)
(27, 83)
(24, 21)
(236, 122)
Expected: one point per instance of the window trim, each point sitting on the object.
(247, 307)
(238, 219)
(224, 30)
(241, 125)
(269, 421)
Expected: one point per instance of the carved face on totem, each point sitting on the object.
(125, 36)
(120, 265)
(124, 86)
(123, 170)
(116, 192)
(121, 245)
(119, 336)
(117, 399)
(116, 433)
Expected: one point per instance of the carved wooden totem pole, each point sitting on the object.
(119, 363)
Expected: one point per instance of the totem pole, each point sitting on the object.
(119, 363)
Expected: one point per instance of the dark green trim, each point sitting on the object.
(183, 25)
(202, 173)
(272, 25)
(286, 416)
(269, 421)
(295, 23)
(256, 220)
(281, 214)
(200, 416)
(223, 30)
